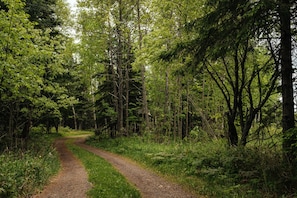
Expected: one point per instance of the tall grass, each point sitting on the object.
(24, 170)
(210, 168)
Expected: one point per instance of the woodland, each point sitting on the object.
(171, 70)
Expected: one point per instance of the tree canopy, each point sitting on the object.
(167, 68)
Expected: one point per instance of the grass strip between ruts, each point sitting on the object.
(106, 181)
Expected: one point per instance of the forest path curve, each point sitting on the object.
(72, 179)
(148, 183)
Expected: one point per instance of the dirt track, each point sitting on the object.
(72, 179)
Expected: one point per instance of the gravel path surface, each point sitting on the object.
(149, 184)
(72, 180)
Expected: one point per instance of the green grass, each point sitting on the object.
(106, 181)
(67, 132)
(24, 170)
(208, 168)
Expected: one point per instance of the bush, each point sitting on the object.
(23, 171)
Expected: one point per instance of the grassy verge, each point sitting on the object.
(208, 168)
(107, 182)
(67, 132)
(23, 170)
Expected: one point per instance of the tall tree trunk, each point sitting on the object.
(115, 91)
(120, 69)
(127, 80)
(179, 109)
(145, 113)
(186, 131)
(287, 84)
(115, 95)
(166, 106)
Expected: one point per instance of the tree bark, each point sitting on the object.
(94, 107)
(232, 132)
(166, 104)
(145, 113)
(186, 108)
(26, 129)
(74, 117)
(127, 80)
(111, 68)
(120, 70)
(287, 83)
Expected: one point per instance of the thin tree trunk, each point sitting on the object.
(94, 113)
(27, 125)
(74, 117)
(179, 110)
(186, 132)
(120, 70)
(94, 107)
(115, 91)
(166, 106)
(127, 128)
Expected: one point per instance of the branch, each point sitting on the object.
(220, 83)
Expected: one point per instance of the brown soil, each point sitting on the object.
(72, 180)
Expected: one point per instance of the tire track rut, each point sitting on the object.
(148, 183)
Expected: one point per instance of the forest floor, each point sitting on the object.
(72, 180)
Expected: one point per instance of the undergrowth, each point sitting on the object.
(106, 181)
(210, 168)
(27, 168)
(68, 132)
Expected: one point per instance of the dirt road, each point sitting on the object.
(72, 180)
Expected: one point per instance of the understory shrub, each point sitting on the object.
(25, 170)
(210, 167)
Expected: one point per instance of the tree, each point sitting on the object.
(109, 61)
(288, 119)
(48, 19)
(170, 86)
(145, 111)
(246, 85)
(267, 22)
(43, 12)
(31, 63)
(17, 93)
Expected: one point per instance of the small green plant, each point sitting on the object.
(106, 181)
